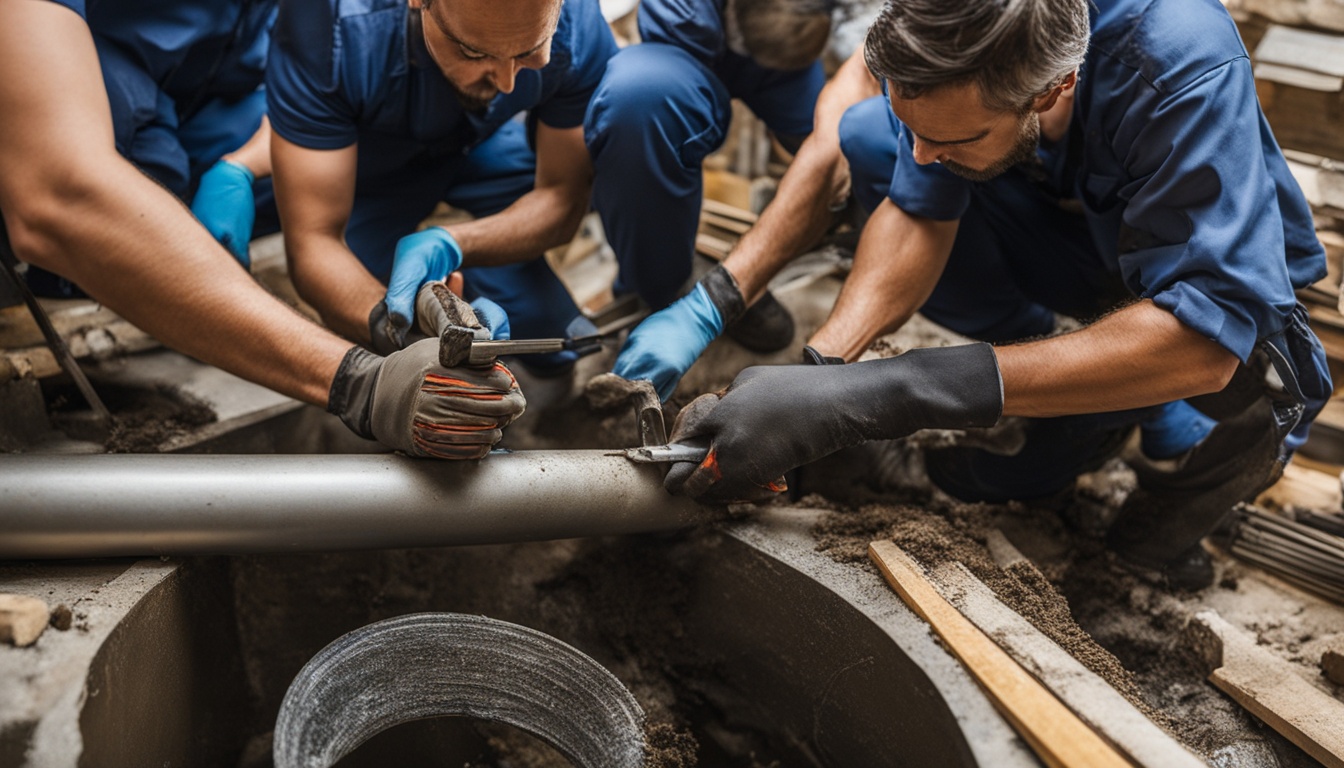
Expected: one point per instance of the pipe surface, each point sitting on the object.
(115, 505)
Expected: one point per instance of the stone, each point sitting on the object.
(22, 619)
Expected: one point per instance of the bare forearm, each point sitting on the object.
(135, 248)
(536, 222)
(794, 220)
(330, 278)
(899, 261)
(817, 178)
(1139, 356)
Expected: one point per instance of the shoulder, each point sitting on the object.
(581, 36)
(1170, 44)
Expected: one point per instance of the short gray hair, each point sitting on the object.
(1015, 50)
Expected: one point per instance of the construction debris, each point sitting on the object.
(1057, 736)
(22, 619)
(1269, 688)
(1332, 663)
(1301, 554)
(1092, 698)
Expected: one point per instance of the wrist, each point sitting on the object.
(721, 288)
(241, 165)
(351, 393)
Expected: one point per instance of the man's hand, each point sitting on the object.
(423, 257)
(225, 206)
(409, 402)
(664, 346)
(773, 419)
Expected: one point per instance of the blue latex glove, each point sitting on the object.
(429, 255)
(225, 205)
(664, 346)
(493, 317)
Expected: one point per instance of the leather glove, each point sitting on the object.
(409, 402)
(664, 346)
(225, 206)
(775, 418)
(422, 257)
(387, 337)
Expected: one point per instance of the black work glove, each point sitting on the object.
(409, 402)
(775, 418)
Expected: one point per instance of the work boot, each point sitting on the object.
(766, 326)
(1162, 523)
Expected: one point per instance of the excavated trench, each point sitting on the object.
(742, 644)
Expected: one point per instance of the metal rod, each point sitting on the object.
(55, 343)
(54, 506)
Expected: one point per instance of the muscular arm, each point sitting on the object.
(75, 207)
(899, 261)
(1141, 355)
(801, 210)
(543, 218)
(315, 192)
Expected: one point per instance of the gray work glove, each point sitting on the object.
(409, 402)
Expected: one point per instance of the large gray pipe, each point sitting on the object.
(55, 506)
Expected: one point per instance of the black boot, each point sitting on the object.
(1161, 524)
(766, 326)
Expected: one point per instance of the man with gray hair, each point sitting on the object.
(1106, 161)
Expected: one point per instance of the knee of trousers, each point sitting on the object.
(656, 105)
(868, 141)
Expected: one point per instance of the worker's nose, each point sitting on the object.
(505, 74)
(924, 154)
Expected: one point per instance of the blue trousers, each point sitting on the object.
(656, 115)
(483, 182)
(1018, 259)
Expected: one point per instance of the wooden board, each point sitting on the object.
(1268, 688)
(1057, 736)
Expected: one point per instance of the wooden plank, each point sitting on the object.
(1082, 690)
(1057, 736)
(1301, 49)
(1304, 119)
(1303, 488)
(1269, 688)
(729, 211)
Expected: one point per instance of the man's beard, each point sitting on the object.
(473, 104)
(1025, 149)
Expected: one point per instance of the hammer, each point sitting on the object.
(462, 340)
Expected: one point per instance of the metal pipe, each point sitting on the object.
(54, 506)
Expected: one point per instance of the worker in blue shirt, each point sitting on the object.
(1105, 160)
(75, 207)
(696, 56)
(383, 110)
(183, 81)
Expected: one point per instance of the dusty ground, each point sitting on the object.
(1123, 628)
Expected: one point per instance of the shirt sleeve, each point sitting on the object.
(695, 26)
(1202, 234)
(305, 97)
(588, 44)
(930, 190)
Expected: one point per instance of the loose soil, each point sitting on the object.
(1119, 626)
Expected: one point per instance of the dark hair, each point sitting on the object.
(1015, 50)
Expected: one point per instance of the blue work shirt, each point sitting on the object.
(1185, 191)
(343, 73)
